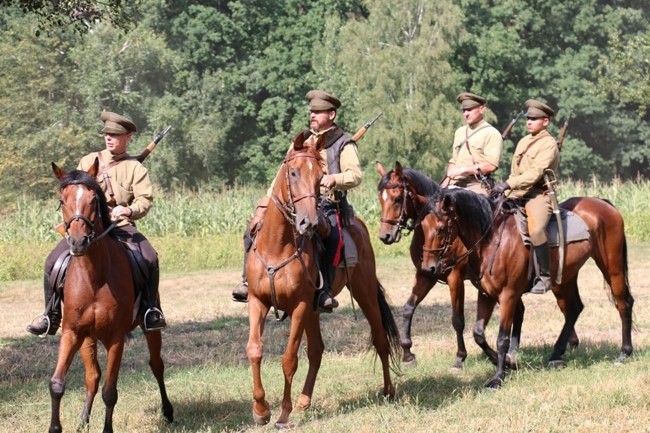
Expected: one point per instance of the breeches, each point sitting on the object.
(332, 241)
(539, 212)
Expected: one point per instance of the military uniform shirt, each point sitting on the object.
(485, 144)
(532, 156)
(129, 181)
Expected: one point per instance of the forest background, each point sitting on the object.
(231, 76)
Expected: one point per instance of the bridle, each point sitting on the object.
(91, 224)
(402, 222)
(287, 209)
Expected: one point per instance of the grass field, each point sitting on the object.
(209, 379)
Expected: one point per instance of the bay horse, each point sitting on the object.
(498, 254)
(99, 299)
(405, 195)
(283, 271)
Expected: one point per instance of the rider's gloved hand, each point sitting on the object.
(500, 188)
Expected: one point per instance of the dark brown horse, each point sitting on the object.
(282, 273)
(99, 299)
(498, 254)
(405, 195)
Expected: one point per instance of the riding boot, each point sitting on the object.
(326, 302)
(153, 318)
(52, 314)
(542, 282)
(240, 292)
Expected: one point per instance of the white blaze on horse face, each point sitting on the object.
(80, 192)
(384, 195)
(311, 166)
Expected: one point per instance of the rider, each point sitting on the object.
(535, 153)
(129, 193)
(477, 147)
(342, 171)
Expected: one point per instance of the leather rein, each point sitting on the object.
(287, 209)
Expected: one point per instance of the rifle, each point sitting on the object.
(506, 131)
(153, 144)
(560, 138)
(361, 132)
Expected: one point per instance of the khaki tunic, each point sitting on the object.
(129, 181)
(532, 156)
(485, 144)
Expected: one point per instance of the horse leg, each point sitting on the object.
(508, 307)
(457, 294)
(68, 346)
(315, 348)
(484, 308)
(88, 353)
(290, 361)
(421, 288)
(114, 352)
(154, 344)
(513, 352)
(256, 314)
(569, 301)
(383, 330)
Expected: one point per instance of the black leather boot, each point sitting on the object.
(51, 316)
(240, 292)
(153, 318)
(542, 282)
(326, 302)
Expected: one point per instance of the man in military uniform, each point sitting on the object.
(342, 171)
(477, 147)
(129, 193)
(535, 153)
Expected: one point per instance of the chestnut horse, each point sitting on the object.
(283, 272)
(404, 195)
(99, 299)
(498, 253)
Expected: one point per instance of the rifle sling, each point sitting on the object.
(107, 178)
(466, 141)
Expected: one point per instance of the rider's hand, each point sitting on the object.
(328, 181)
(500, 188)
(121, 212)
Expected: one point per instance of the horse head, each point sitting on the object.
(83, 206)
(439, 234)
(403, 194)
(299, 183)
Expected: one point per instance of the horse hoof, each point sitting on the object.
(282, 425)
(262, 419)
(621, 359)
(493, 384)
(512, 361)
(302, 404)
(557, 364)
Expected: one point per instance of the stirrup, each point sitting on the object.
(49, 324)
(322, 309)
(147, 313)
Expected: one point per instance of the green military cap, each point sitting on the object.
(538, 109)
(116, 124)
(469, 100)
(320, 100)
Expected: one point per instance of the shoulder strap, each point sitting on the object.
(466, 140)
(107, 178)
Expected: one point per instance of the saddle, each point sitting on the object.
(139, 270)
(575, 229)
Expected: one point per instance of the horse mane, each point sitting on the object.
(80, 177)
(423, 184)
(475, 210)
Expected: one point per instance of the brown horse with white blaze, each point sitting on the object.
(99, 299)
(282, 273)
(498, 254)
(405, 195)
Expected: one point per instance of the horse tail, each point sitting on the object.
(392, 331)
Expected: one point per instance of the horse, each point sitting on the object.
(404, 195)
(99, 299)
(282, 273)
(497, 252)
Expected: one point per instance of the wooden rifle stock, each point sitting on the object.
(562, 135)
(361, 132)
(153, 144)
(506, 131)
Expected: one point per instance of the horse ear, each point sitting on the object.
(92, 171)
(380, 168)
(398, 168)
(299, 140)
(57, 171)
